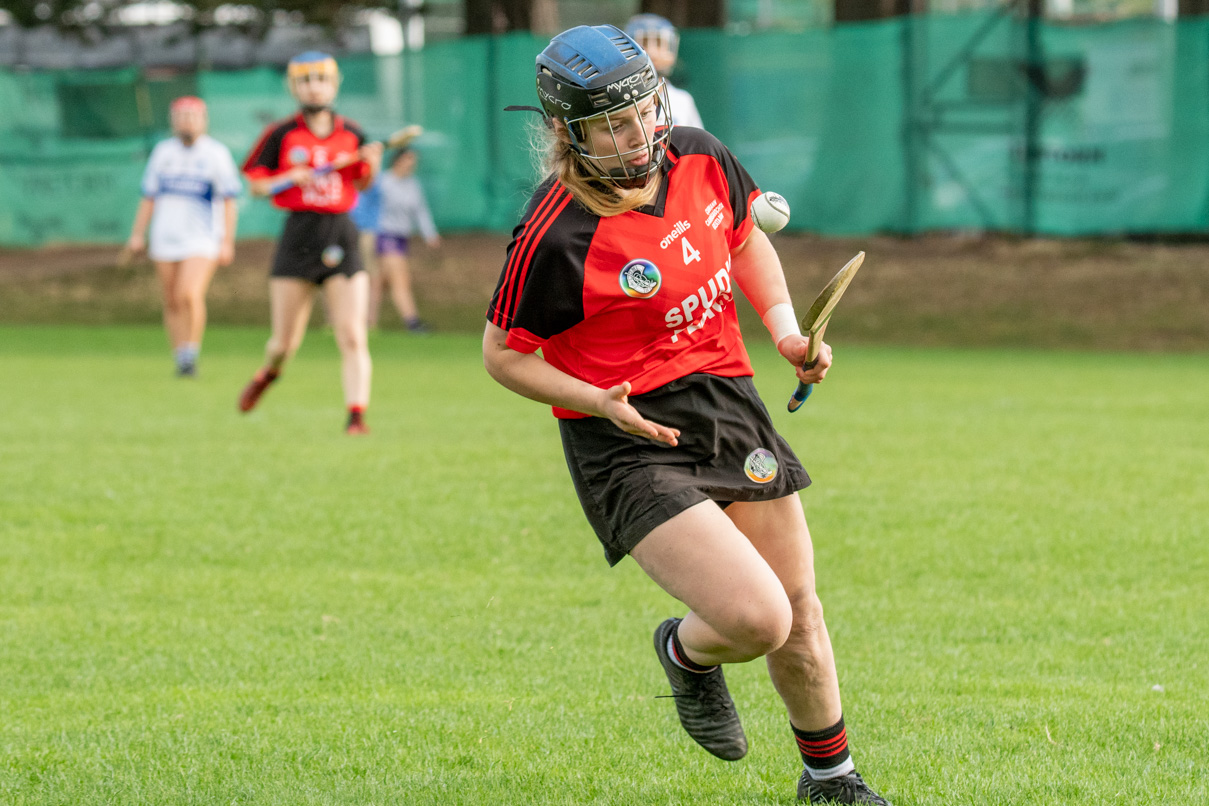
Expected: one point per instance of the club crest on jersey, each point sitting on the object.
(332, 256)
(298, 155)
(761, 466)
(640, 279)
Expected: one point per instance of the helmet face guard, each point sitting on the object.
(594, 73)
(614, 165)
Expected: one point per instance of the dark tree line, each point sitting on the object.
(83, 14)
(498, 16)
(481, 16)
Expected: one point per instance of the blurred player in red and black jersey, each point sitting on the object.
(319, 244)
(622, 273)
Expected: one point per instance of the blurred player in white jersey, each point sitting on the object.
(660, 39)
(189, 190)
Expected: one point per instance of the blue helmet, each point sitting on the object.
(644, 27)
(311, 63)
(599, 71)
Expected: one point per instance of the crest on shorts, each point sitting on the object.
(761, 466)
(640, 279)
(332, 256)
(298, 155)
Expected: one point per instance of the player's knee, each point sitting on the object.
(187, 299)
(761, 628)
(807, 611)
(351, 340)
(807, 632)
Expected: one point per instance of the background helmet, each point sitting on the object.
(312, 62)
(187, 103)
(644, 27)
(187, 116)
(598, 71)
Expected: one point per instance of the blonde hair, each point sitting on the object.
(554, 156)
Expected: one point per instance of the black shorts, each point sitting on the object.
(316, 246)
(728, 451)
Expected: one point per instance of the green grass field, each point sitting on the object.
(198, 607)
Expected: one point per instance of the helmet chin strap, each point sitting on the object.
(315, 109)
(631, 182)
(622, 177)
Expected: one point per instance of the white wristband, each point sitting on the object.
(781, 321)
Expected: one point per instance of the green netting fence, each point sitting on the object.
(979, 121)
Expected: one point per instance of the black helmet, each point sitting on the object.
(599, 70)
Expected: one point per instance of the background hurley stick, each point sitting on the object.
(814, 323)
(399, 139)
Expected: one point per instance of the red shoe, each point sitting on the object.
(356, 423)
(255, 388)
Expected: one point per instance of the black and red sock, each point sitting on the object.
(681, 658)
(825, 752)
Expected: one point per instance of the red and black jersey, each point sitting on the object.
(644, 296)
(289, 143)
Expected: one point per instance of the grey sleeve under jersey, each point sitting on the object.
(404, 208)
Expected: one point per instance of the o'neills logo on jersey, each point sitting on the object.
(761, 466)
(640, 279)
(678, 230)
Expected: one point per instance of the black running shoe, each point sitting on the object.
(850, 788)
(706, 710)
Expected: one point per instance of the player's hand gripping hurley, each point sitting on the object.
(399, 139)
(814, 323)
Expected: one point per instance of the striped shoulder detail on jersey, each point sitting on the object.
(352, 126)
(554, 202)
(270, 141)
(671, 156)
(687, 140)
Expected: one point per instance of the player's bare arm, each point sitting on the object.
(756, 269)
(137, 242)
(371, 155)
(300, 175)
(529, 375)
(226, 250)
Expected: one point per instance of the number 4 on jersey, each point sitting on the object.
(690, 254)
